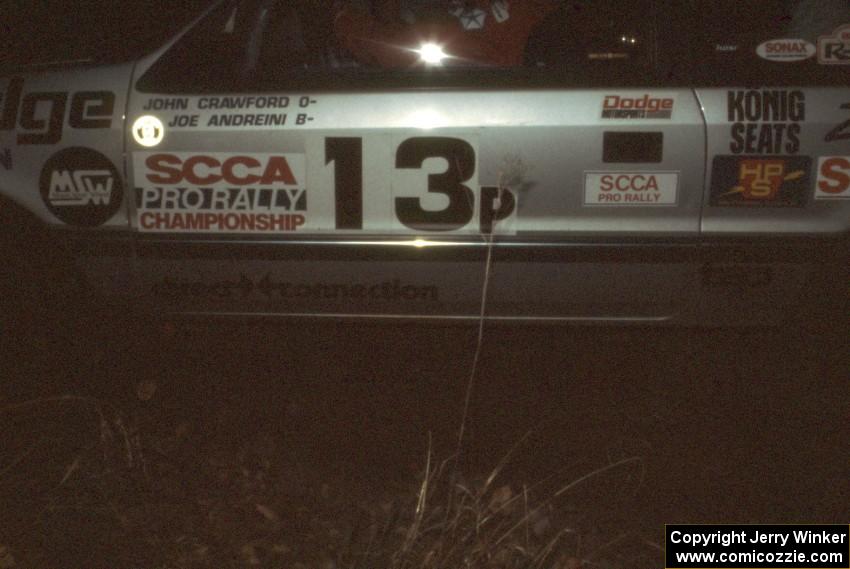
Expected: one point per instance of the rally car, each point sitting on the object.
(599, 162)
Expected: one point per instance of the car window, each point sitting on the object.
(780, 42)
(282, 44)
(52, 31)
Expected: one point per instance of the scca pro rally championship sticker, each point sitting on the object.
(81, 187)
(220, 193)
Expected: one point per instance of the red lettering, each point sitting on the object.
(278, 222)
(628, 183)
(786, 47)
(837, 173)
(227, 170)
(165, 175)
(652, 184)
(191, 176)
(205, 170)
(611, 102)
(146, 222)
(277, 170)
(642, 103)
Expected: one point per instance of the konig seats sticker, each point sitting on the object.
(81, 187)
(220, 193)
(781, 181)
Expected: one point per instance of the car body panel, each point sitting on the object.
(822, 109)
(623, 204)
(50, 111)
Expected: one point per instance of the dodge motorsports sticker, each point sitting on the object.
(645, 106)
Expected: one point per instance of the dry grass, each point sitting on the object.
(484, 524)
(107, 495)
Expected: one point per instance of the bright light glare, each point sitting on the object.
(432, 54)
(148, 131)
(426, 119)
(420, 243)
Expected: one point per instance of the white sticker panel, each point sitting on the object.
(220, 192)
(405, 184)
(631, 188)
(833, 178)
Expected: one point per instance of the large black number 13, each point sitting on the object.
(461, 167)
(347, 156)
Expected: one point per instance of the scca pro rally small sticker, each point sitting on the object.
(81, 187)
(776, 181)
(786, 50)
(220, 193)
(631, 188)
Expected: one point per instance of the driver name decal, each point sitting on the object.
(222, 112)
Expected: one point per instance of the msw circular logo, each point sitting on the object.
(81, 187)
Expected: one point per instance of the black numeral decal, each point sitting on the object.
(842, 131)
(461, 160)
(347, 156)
(490, 213)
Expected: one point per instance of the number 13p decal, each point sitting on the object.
(414, 184)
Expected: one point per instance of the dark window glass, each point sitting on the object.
(280, 44)
(52, 31)
(770, 42)
(210, 56)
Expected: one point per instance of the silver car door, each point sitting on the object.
(275, 173)
(776, 103)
